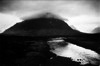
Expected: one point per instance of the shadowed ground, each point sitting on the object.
(26, 43)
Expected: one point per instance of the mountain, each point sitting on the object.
(42, 26)
(96, 30)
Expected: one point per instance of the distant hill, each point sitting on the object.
(96, 30)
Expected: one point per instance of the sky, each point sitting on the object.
(6, 21)
(82, 15)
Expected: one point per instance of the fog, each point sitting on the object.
(83, 15)
(6, 21)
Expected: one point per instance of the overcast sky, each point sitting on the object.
(83, 15)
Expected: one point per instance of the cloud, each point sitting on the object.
(6, 21)
(84, 23)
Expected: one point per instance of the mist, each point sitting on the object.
(83, 15)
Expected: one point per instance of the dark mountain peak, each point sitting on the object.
(42, 26)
